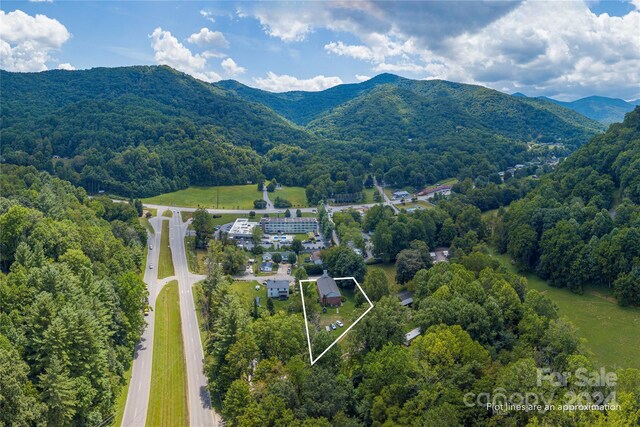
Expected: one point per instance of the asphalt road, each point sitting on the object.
(135, 413)
(199, 402)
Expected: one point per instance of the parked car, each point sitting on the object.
(339, 323)
(327, 328)
(333, 327)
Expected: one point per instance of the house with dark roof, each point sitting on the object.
(277, 288)
(328, 292)
(405, 297)
(266, 267)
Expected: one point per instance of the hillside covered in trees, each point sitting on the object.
(581, 225)
(71, 300)
(141, 131)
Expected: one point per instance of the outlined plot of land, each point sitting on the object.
(325, 290)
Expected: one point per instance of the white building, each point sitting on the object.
(242, 227)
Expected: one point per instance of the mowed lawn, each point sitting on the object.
(389, 271)
(168, 398)
(296, 195)
(165, 269)
(221, 197)
(612, 332)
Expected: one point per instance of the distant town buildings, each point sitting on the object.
(289, 225)
(445, 190)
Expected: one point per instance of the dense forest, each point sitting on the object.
(483, 332)
(71, 300)
(141, 131)
(581, 225)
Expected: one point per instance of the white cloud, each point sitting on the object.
(400, 67)
(209, 16)
(206, 37)
(212, 54)
(283, 83)
(26, 41)
(354, 51)
(169, 51)
(362, 78)
(532, 47)
(231, 68)
(555, 48)
(66, 66)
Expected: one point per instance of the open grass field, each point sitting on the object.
(222, 197)
(611, 331)
(168, 398)
(389, 270)
(121, 400)
(165, 269)
(368, 195)
(296, 195)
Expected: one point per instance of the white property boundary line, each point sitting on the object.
(306, 322)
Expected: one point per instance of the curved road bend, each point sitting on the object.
(135, 412)
(201, 413)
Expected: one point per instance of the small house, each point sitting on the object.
(315, 258)
(266, 267)
(406, 298)
(328, 292)
(277, 288)
(411, 335)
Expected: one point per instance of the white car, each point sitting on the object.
(339, 323)
(150, 266)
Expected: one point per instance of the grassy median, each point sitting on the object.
(168, 398)
(165, 267)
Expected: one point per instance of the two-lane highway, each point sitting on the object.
(135, 413)
(201, 413)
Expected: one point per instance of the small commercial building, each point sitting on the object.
(242, 228)
(328, 291)
(289, 225)
(401, 195)
(277, 288)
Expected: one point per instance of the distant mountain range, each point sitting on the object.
(601, 108)
(145, 130)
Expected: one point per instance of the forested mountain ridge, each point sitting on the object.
(601, 108)
(581, 225)
(141, 131)
(71, 300)
(514, 118)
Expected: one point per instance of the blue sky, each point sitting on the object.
(564, 49)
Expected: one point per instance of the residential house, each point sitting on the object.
(328, 292)
(315, 258)
(277, 288)
(411, 335)
(406, 298)
(266, 267)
